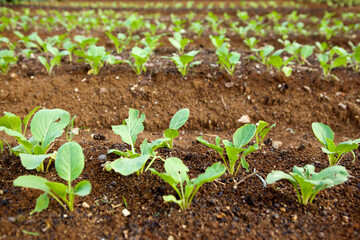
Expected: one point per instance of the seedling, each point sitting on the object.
(69, 164)
(121, 41)
(198, 28)
(179, 42)
(227, 59)
(46, 126)
(83, 41)
(7, 58)
(218, 41)
(131, 161)
(176, 173)
(70, 47)
(280, 64)
(308, 183)
(96, 57)
(213, 20)
(55, 60)
(185, 62)
(327, 64)
(241, 138)
(151, 42)
(334, 152)
(141, 56)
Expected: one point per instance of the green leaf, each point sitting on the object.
(133, 127)
(171, 133)
(83, 188)
(59, 189)
(11, 121)
(172, 198)
(215, 147)
(338, 174)
(306, 51)
(42, 202)
(27, 118)
(322, 132)
(275, 176)
(357, 54)
(211, 173)
(176, 169)
(287, 71)
(243, 135)
(179, 119)
(276, 61)
(340, 61)
(31, 181)
(69, 161)
(345, 147)
(127, 166)
(30, 161)
(47, 125)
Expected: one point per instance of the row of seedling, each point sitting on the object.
(47, 125)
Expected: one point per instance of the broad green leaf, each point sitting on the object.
(347, 146)
(338, 174)
(167, 178)
(30, 161)
(134, 126)
(322, 132)
(306, 51)
(171, 133)
(243, 135)
(357, 54)
(215, 147)
(172, 198)
(31, 181)
(127, 166)
(179, 119)
(340, 61)
(276, 61)
(69, 161)
(27, 118)
(287, 71)
(42, 202)
(275, 176)
(47, 125)
(83, 188)
(176, 169)
(11, 121)
(233, 155)
(59, 189)
(211, 173)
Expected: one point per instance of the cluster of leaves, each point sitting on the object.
(184, 62)
(131, 161)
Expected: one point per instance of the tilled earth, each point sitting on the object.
(224, 209)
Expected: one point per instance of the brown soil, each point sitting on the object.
(216, 102)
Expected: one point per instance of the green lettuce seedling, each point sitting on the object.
(179, 42)
(9, 44)
(280, 64)
(198, 28)
(83, 41)
(46, 126)
(7, 58)
(121, 41)
(185, 61)
(213, 21)
(131, 161)
(241, 138)
(96, 57)
(227, 59)
(70, 47)
(69, 164)
(218, 41)
(308, 183)
(251, 42)
(334, 152)
(141, 56)
(176, 174)
(55, 60)
(151, 42)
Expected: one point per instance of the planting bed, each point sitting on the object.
(223, 209)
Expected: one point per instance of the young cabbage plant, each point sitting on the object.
(176, 174)
(355, 58)
(185, 61)
(198, 28)
(134, 23)
(179, 42)
(69, 163)
(308, 183)
(213, 21)
(280, 64)
(262, 55)
(227, 59)
(70, 47)
(251, 42)
(9, 44)
(218, 41)
(121, 41)
(334, 152)
(83, 42)
(327, 64)
(96, 57)
(322, 47)
(46, 126)
(7, 58)
(141, 56)
(55, 60)
(131, 161)
(241, 138)
(151, 42)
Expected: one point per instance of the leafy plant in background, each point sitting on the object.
(334, 152)
(185, 61)
(7, 58)
(197, 27)
(219, 40)
(327, 64)
(227, 59)
(55, 60)
(213, 20)
(176, 174)
(355, 56)
(251, 42)
(9, 44)
(298, 51)
(121, 41)
(83, 41)
(141, 56)
(133, 23)
(280, 64)
(131, 161)
(241, 138)
(151, 42)
(96, 57)
(70, 47)
(178, 23)
(308, 183)
(69, 163)
(322, 47)
(179, 42)
(46, 126)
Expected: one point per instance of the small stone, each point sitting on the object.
(229, 84)
(276, 144)
(83, 80)
(75, 131)
(342, 105)
(321, 235)
(32, 77)
(283, 209)
(307, 89)
(125, 212)
(98, 136)
(23, 66)
(170, 238)
(85, 205)
(294, 218)
(11, 219)
(65, 215)
(76, 89)
(117, 77)
(13, 75)
(102, 157)
(113, 183)
(103, 90)
(1, 192)
(275, 216)
(244, 119)
(290, 130)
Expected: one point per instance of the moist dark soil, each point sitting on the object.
(230, 208)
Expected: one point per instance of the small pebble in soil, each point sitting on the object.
(85, 205)
(113, 183)
(102, 157)
(125, 212)
(321, 235)
(75, 131)
(12, 219)
(170, 238)
(276, 144)
(1, 192)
